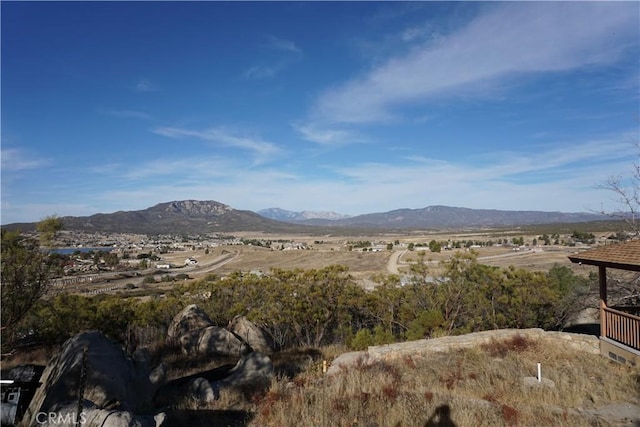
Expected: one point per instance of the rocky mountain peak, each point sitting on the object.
(197, 207)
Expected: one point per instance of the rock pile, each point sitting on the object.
(116, 389)
(196, 334)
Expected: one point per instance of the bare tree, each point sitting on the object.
(627, 194)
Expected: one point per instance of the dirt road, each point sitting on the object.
(394, 260)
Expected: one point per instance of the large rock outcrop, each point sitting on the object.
(189, 319)
(251, 334)
(118, 389)
(252, 370)
(196, 334)
(211, 340)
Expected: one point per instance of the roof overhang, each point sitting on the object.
(623, 256)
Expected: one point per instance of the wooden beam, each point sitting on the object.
(602, 280)
(602, 276)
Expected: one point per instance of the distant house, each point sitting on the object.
(163, 266)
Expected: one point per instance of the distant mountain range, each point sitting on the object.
(202, 217)
(291, 216)
(446, 217)
(178, 217)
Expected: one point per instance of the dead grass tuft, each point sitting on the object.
(515, 344)
(479, 386)
(476, 386)
(510, 415)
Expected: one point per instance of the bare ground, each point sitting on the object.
(331, 250)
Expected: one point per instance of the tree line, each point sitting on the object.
(315, 307)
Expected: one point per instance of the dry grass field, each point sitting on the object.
(365, 264)
(482, 386)
(255, 258)
(323, 251)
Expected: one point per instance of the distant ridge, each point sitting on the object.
(203, 217)
(177, 217)
(446, 217)
(291, 216)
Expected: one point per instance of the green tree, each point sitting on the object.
(48, 228)
(573, 290)
(25, 272)
(424, 324)
(362, 340)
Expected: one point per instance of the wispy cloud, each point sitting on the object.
(413, 33)
(280, 53)
(507, 39)
(263, 150)
(284, 45)
(145, 85)
(512, 181)
(328, 136)
(128, 114)
(15, 159)
(509, 182)
(28, 212)
(263, 71)
(185, 168)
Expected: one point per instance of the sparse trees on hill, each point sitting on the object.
(325, 306)
(25, 271)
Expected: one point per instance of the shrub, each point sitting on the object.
(423, 325)
(362, 340)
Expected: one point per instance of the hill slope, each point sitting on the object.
(202, 217)
(279, 214)
(177, 217)
(439, 217)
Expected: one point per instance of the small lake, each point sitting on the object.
(70, 251)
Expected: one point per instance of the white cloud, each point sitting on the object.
(14, 159)
(185, 168)
(262, 71)
(508, 39)
(284, 45)
(263, 150)
(128, 114)
(145, 85)
(32, 212)
(280, 54)
(413, 33)
(542, 181)
(326, 136)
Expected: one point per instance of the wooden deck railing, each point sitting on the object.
(622, 327)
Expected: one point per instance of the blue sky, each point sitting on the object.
(353, 107)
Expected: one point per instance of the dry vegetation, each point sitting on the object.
(482, 386)
(330, 250)
(476, 387)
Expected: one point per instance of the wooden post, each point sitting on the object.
(81, 384)
(602, 276)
